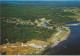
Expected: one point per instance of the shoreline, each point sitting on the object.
(63, 38)
(73, 24)
(56, 42)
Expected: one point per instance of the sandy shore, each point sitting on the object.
(56, 42)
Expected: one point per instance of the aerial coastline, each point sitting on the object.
(30, 28)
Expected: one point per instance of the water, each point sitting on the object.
(48, 24)
(74, 22)
(71, 46)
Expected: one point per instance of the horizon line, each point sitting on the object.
(40, 0)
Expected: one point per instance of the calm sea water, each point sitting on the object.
(71, 46)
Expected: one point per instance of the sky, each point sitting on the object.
(40, 0)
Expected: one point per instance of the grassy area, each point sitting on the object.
(23, 48)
